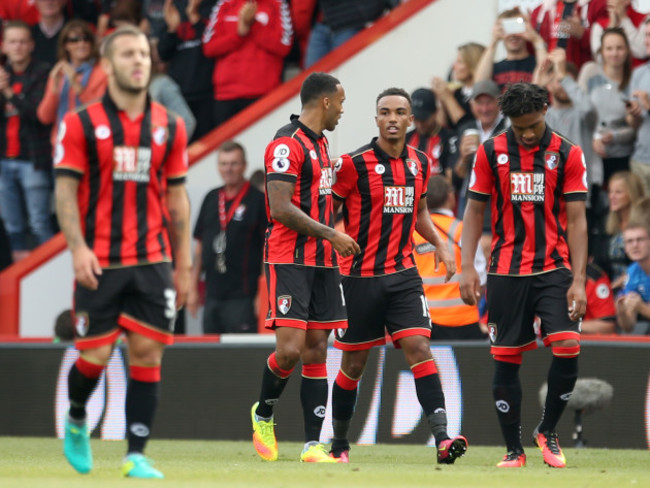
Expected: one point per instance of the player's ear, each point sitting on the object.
(106, 66)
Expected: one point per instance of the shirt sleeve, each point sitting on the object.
(177, 163)
(481, 178)
(575, 176)
(283, 159)
(345, 177)
(70, 154)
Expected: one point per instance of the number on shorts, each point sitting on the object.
(170, 303)
(425, 308)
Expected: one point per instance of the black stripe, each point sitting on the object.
(323, 216)
(94, 177)
(117, 206)
(565, 149)
(491, 156)
(518, 222)
(539, 167)
(306, 177)
(363, 183)
(142, 188)
(171, 137)
(387, 220)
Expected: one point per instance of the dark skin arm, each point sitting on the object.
(470, 285)
(577, 240)
(284, 211)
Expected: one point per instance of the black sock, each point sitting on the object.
(313, 397)
(141, 403)
(80, 387)
(506, 391)
(343, 403)
(562, 377)
(272, 388)
(432, 400)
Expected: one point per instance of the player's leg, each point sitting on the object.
(149, 311)
(344, 399)
(563, 336)
(510, 327)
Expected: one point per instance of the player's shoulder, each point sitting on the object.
(359, 153)
(421, 155)
(288, 130)
(564, 139)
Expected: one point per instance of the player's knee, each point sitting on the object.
(287, 356)
(99, 355)
(569, 348)
(417, 351)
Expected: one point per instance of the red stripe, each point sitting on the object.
(426, 368)
(401, 334)
(277, 370)
(566, 352)
(314, 370)
(345, 382)
(513, 359)
(359, 347)
(146, 330)
(511, 351)
(88, 369)
(273, 322)
(97, 341)
(561, 336)
(147, 374)
(340, 324)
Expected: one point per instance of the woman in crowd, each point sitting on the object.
(76, 79)
(608, 90)
(625, 190)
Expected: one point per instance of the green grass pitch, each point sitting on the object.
(38, 462)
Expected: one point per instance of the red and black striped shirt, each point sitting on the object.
(300, 156)
(124, 166)
(529, 190)
(438, 147)
(381, 196)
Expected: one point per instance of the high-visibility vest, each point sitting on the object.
(445, 304)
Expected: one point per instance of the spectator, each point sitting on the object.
(152, 18)
(24, 10)
(455, 96)
(180, 47)
(625, 189)
(451, 319)
(621, 14)
(46, 32)
(632, 305)
(77, 77)
(117, 10)
(249, 41)
(515, 31)
(229, 238)
(566, 24)
(600, 316)
(428, 136)
(25, 150)
(164, 90)
(303, 13)
(88, 10)
(486, 121)
(257, 180)
(609, 92)
(639, 115)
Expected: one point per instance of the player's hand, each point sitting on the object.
(442, 255)
(86, 267)
(577, 301)
(193, 300)
(470, 285)
(344, 244)
(182, 281)
(171, 16)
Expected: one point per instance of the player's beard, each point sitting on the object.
(124, 85)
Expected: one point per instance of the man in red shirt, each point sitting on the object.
(382, 187)
(305, 296)
(537, 181)
(122, 206)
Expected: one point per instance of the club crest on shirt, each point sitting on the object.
(492, 332)
(159, 135)
(239, 213)
(398, 199)
(338, 165)
(81, 323)
(526, 187)
(435, 152)
(413, 166)
(552, 159)
(284, 304)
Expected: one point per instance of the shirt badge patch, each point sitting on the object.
(160, 135)
(284, 303)
(102, 132)
(492, 332)
(380, 169)
(281, 151)
(502, 158)
(552, 160)
(413, 166)
(313, 155)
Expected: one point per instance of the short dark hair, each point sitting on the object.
(64, 326)
(438, 191)
(317, 85)
(229, 146)
(523, 98)
(125, 30)
(17, 24)
(394, 91)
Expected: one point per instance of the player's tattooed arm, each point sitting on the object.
(67, 210)
(279, 194)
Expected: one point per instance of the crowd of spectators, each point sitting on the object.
(216, 57)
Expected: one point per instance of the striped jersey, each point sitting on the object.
(381, 196)
(529, 190)
(124, 167)
(300, 156)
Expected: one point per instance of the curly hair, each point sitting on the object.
(523, 98)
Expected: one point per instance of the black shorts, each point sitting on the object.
(514, 301)
(393, 302)
(141, 299)
(304, 297)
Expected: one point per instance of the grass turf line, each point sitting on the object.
(38, 462)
